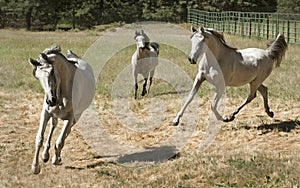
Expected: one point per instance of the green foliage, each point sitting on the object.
(289, 6)
(50, 15)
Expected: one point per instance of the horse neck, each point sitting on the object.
(218, 49)
(65, 71)
(141, 53)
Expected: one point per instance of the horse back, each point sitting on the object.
(83, 87)
(154, 47)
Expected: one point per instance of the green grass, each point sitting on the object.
(17, 46)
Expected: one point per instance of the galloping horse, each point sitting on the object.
(144, 60)
(222, 65)
(69, 87)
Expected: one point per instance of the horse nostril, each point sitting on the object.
(53, 100)
(192, 61)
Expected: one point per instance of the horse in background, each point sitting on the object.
(69, 87)
(222, 65)
(144, 60)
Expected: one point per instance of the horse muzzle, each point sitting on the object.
(142, 48)
(192, 61)
(52, 101)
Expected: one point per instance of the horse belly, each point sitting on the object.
(241, 75)
(239, 80)
(144, 66)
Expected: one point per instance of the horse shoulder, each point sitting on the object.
(134, 58)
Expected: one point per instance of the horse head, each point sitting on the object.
(142, 40)
(198, 40)
(43, 70)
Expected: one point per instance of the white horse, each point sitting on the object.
(223, 66)
(144, 60)
(69, 87)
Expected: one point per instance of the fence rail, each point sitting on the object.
(260, 25)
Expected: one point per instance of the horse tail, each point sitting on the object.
(155, 46)
(276, 49)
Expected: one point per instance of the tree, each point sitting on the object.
(288, 6)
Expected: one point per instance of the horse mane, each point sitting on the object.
(277, 49)
(220, 37)
(55, 49)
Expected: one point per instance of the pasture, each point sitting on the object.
(252, 151)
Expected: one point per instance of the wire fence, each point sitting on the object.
(249, 24)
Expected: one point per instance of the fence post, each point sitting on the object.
(268, 29)
(258, 25)
(288, 31)
(295, 31)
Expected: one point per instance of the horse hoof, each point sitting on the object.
(231, 118)
(174, 123)
(36, 169)
(270, 114)
(45, 157)
(56, 161)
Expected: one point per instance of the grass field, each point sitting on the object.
(251, 151)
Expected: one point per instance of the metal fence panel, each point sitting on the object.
(249, 24)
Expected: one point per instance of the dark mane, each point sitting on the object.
(220, 37)
(55, 49)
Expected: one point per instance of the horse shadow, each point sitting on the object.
(284, 126)
(151, 155)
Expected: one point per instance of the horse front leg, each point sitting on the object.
(151, 79)
(219, 90)
(264, 92)
(66, 129)
(135, 84)
(144, 92)
(197, 83)
(47, 144)
(45, 116)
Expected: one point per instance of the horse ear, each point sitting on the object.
(45, 57)
(202, 30)
(34, 62)
(136, 34)
(193, 29)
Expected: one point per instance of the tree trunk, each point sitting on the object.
(28, 18)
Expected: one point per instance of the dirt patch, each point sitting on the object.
(251, 133)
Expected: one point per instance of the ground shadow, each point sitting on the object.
(149, 156)
(171, 93)
(284, 126)
(153, 154)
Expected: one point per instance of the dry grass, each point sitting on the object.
(252, 151)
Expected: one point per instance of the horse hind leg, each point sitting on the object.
(264, 92)
(135, 90)
(251, 96)
(47, 144)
